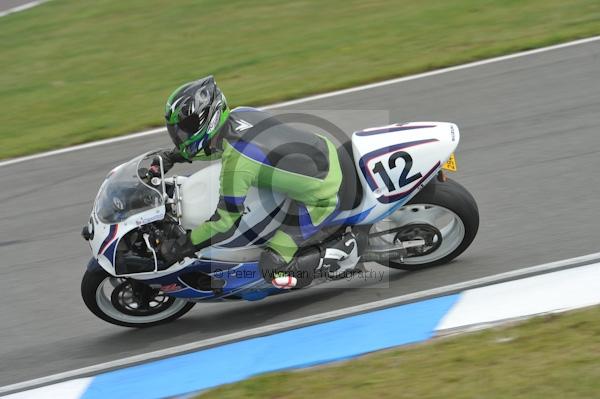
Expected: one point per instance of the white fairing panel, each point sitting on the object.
(106, 236)
(394, 162)
(200, 194)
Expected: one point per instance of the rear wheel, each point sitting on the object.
(443, 214)
(127, 302)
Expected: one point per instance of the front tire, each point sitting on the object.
(449, 208)
(114, 300)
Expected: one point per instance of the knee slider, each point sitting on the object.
(302, 266)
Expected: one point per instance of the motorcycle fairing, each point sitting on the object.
(384, 153)
(243, 280)
(396, 161)
(107, 236)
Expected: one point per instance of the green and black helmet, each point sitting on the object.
(195, 112)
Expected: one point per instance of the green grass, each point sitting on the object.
(75, 71)
(550, 357)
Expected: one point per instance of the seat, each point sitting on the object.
(351, 191)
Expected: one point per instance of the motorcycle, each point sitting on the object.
(394, 190)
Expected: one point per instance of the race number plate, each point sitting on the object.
(451, 164)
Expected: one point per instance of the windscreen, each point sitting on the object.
(123, 194)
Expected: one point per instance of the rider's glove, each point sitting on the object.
(154, 170)
(177, 247)
(169, 157)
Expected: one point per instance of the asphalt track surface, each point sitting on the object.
(529, 153)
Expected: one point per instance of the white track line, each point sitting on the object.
(22, 7)
(286, 325)
(316, 97)
(83, 146)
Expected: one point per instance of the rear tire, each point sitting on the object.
(105, 305)
(456, 201)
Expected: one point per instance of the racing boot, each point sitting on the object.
(340, 256)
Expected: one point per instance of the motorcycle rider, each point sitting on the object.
(257, 150)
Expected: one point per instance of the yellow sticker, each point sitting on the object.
(450, 164)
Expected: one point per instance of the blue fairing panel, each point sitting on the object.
(241, 279)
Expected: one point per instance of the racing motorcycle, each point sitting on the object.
(394, 191)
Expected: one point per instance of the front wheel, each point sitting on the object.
(128, 303)
(443, 214)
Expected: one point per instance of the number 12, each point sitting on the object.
(403, 181)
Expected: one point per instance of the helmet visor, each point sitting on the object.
(179, 136)
(187, 127)
(188, 144)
